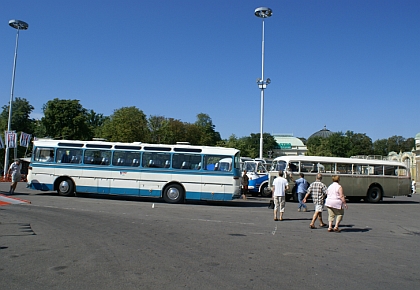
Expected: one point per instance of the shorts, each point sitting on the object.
(335, 212)
(319, 207)
(15, 177)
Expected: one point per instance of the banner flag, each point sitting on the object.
(11, 139)
(25, 139)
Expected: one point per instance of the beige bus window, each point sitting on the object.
(307, 167)
(344, 168)
(378, 170)
(293, 166)
(390, 170)
(326, 167)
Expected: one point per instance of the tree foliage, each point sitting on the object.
(21, 120)
(66, 119)
(128, 124)
(208, 135)
(353, 144)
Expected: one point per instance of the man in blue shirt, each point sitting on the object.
(301, 187)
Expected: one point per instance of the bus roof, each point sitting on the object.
(338, 160)
(135, 146)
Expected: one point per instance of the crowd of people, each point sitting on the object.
(332, 197)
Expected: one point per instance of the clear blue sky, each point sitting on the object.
(349, 65)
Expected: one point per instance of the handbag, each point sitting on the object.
(271, 204)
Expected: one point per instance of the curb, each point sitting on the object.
(6, 200)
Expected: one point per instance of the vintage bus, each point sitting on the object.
(258, 178)
(366, 179)
(174, 172)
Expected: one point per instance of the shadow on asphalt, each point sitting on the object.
(255, 202)
(352, 229)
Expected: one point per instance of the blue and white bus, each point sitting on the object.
(174, 172)
(258, 178)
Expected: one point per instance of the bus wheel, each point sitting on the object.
(374, 194)
(174, 193)
(65, 187)
(264, 191)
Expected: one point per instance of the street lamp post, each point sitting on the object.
(18, 25)
(262, 12)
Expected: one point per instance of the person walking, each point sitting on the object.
(14, 172)
(301, 187)
(280, 185)
(245, 182)
(335, 204)
(319, 192)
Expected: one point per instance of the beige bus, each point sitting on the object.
(366, 179)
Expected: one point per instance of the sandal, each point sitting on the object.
(337, 230)
(330, 229)
(323, 225)
(312, 227)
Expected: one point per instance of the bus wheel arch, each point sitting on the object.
(375, 193)
(65, 186)
(174, 193)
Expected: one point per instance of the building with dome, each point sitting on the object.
(324, 133)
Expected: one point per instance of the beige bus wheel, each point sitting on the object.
(374, 194)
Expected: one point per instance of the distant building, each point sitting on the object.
(324, 133)
(288, 145)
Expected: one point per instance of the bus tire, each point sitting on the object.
(374, 194)
(174, 193)
(264, 191)
(65, 187)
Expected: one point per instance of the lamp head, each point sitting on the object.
(263, 12)
(18, 24)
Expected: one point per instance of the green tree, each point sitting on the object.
(158, 126)
(360, 144)
(380, 147)
(209, 137)
(318, 146)
(128, 124)
(408, 145)
(66, 119)
(96, 122)
(21, 120)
